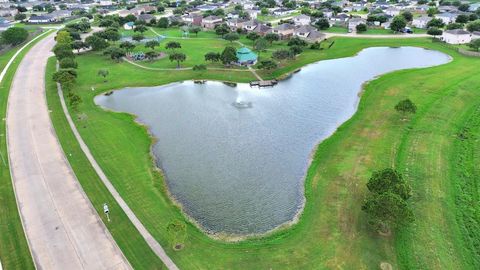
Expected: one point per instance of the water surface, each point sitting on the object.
(240, 169)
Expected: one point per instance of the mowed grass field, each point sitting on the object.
(428, 149)
(14, 251)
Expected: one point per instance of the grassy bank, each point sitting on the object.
(333, 231)
(14, 251)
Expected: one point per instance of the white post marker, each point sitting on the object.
(105, 210)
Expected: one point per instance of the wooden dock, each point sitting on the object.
(268, 83)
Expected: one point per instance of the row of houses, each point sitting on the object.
(459, 36)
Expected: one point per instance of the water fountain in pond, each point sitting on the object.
(241, 104)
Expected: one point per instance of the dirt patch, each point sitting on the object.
(386, 266)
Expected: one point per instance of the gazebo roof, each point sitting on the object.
(245, 55)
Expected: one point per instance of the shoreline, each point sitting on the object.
(229, 237)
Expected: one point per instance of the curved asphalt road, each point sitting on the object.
(62, 228)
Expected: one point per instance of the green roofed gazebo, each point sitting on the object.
(246, 57)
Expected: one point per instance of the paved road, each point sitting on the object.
(62, 228)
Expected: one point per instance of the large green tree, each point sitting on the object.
(229, 55)
(398, 23)
(177, 57)
(14, 36)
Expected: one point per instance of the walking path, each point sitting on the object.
(154, 245)
(63, 229)
(255, 73)
(355, 35)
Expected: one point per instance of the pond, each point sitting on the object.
(235, 157)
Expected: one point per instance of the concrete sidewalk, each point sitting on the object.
(62, 228)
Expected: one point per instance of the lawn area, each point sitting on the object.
(332, 232)
(14, 251)
(336, 29)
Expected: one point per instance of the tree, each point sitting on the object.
(14, 36)
(127, 46)
(398, 23)
(103, 73)
(268, 64)
(389, 180)
(151, 44)
(115, 53)
(78, 45)
(65, 77)
(472, 26)
(406, 106)
(163, 23)
(475, 44)
(271, 37)
(96, 43)
(173, 45)
(316, 46)
(138, 37)
(296, 41)
(322, 24)
(361, 28)
(407, 15)
(212, 56)
(231, 37)
(63, 51)
(68, 63)
(435, 23)
(260, 44)
(386, 204)
(253, 36)
(464, 7)
(229, 55)
(282, 54)
(222, 29)
(434, 31)
(432, 11)
(63, 37)
(387, 211)
(73, 100)
(140, 28)
(21, 9)
(195, 30)
(178, 57)
(296, 50)
(150, 55)
(452, 26)
(20, 17)
(462, 18)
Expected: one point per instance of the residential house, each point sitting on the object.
(309, 33)
(457, 36)
(352, 24)
(447, 17)
(145, 17)
(211, 21)
(61, 15)
(5, 24)
(284, 31)
(282, 12)
(129, 26)
(193, 19)
(392, 11)
(253, 13)
(421, 22)
(450, 9)
(476, 35)
(474, 7)
(340, 19)
(301, 19)
(235, 24)
(8, 12)
(37, 19)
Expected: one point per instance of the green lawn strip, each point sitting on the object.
(123, 231)
(436, 241)
(14, 250)
(333, 231)
(465, 179)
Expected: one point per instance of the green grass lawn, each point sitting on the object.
(14, 251)
(336, 29)
(332, 232)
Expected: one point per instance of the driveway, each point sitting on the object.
(62, 228)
